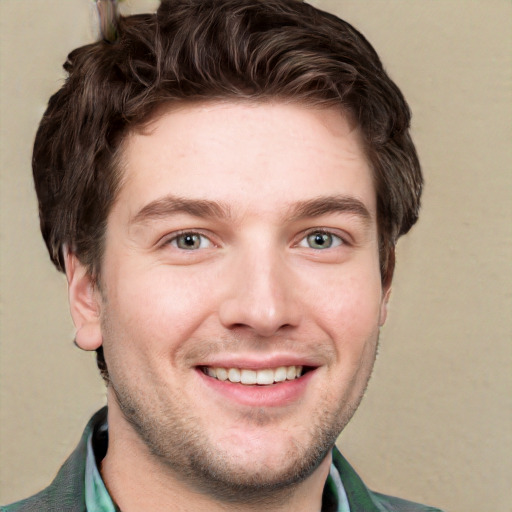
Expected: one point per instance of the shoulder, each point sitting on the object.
(41, 501)
(66, 492)
(59, 496)
(362, 499)
(392, 504)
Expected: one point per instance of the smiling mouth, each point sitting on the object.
(263, 377)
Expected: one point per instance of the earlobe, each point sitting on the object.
(384, 306)
(88, 337)
(84, 303)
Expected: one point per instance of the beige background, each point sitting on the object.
(436, 425)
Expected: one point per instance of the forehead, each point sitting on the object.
(251, 156)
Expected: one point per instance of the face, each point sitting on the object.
(241, 297)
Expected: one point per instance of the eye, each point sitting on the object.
(190, 241)
(321, 240)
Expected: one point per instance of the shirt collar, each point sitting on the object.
(97, 497)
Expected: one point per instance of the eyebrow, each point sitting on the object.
(203, 208)
(330, 204)
(170, 205)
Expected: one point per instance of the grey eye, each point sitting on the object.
(320, 240)
(189, 241)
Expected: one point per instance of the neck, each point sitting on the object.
(137, 480)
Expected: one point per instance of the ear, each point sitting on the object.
(84, 303)
(386, 292)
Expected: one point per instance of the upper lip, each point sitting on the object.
(259, 362)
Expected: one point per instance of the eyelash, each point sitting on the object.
(336, 239)
(173, 239)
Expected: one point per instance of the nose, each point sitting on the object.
(260, 294)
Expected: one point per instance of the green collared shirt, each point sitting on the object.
(97, 498)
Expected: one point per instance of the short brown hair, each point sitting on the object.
(213, 49)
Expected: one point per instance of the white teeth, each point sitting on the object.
(263, 377)
(280, 374)
(234, 375)
(222, 373)
(248, 377)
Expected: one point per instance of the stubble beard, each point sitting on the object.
(177, 439)
(179, 444)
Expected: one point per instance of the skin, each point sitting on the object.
(256, 291)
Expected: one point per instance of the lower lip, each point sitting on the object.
(274, 395)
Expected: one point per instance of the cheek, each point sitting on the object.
(158, 306)
(348, 309)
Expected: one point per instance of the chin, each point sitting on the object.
(255, 477)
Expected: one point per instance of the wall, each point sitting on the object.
(435, 425)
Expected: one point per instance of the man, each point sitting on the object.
(223, 184)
